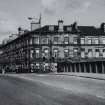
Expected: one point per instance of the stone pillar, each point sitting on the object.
(90, 68)
(64, 68)
(71, 69)
(96, 68)
(84, 68)
(67, 67)
(103, 68)
(80, 68)
(75, 68)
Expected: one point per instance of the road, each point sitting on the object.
(50, 90)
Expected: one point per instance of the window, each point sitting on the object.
(51, 28)
(96, 41)
(66, 52)
(82, 40)
(55, 53)
(56, 40)
(89, 41)
(75, 51)
(31, 53)
(83, 53)
(45, 40)
(90, 53)
(69, 28)
(103, 40)
(37, 53)
(46, 66)
(37, 66)
(66, 40)
(75, 40)
(46, 52)
(103, 53)
(36, 40)
(97, 53)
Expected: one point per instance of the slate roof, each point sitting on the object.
(84, 30)
(90, 30)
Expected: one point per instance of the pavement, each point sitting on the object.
(85, 75)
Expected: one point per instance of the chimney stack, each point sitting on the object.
(60, 26)
(35, 25)
(74, 26)
(102, 27)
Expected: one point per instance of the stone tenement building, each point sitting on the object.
(51, 48)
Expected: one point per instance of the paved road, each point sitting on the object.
(44, 90)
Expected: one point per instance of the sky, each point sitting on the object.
(14, 13)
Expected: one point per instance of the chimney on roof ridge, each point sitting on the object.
(74, 26)
(35, 25)
(35, 22)
(102, 27)
(20, 31)
(60, 25)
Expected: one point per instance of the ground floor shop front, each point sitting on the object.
(82, 67)
(62, 66)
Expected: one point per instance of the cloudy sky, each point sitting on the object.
(14, 13)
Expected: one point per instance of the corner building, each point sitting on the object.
(56, 48)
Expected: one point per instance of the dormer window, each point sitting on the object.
(69, 28)
(51, 28)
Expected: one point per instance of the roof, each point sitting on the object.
(90, 30)
(45, 29)
(82, 30)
